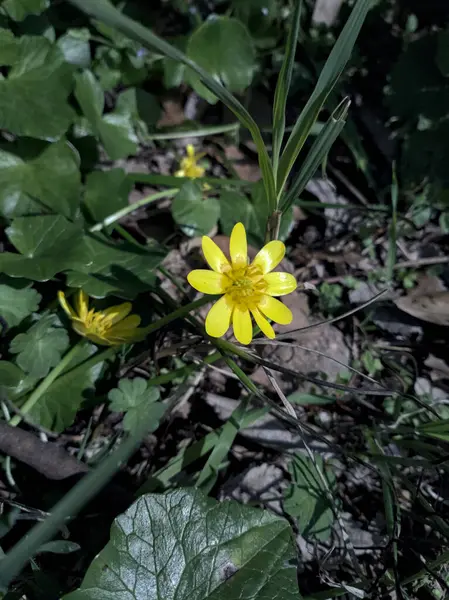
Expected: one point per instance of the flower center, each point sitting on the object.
(97, 323)
(247, 285)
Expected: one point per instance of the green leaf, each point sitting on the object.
(305, 399)
(140, 107)
(329, 76)
(224, 48)
(115, 130)
(41, 347)
(48, 180)
(43, 235)
(13, 381)
(193, 213)
(134, 397)
(57, 407)
(19, 9)
(15, 304)
(75, 47)
(306, 498)
(33, 98)
(183, 545)
(106, 193)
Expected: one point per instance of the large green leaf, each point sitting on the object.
(43, 235)
(182, 545)
(306, 498)
(224, 48)
(133, 397)
(140, 107)
(41, 347)
(48, 180)
(195, 214)
(57, 407)
(114, 129)
(15, 304)
(33, 98)
(19, 9)
(106, 193)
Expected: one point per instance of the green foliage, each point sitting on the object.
(306, 498)
(195, 213)
(19, 9)
(41, 347)
(223, 47)
(133, 397)
(13, 381)
(16, 305)
(106, 192)
(184, 545)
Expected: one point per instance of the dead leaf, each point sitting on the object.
(433, 307)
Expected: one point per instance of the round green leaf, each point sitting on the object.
(195, 215)
(184, 546)
(106, 192)
(19, 9)
(75, 46)
(15, 304)
(134, 397)
(224, 48)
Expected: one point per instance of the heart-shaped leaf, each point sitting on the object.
(184, 546)
(15, 304)
(196, 215)
(49, 180)
(134, 397)
(33, 98)
(41, 347)
(224, 48)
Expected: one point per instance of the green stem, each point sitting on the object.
(119, 214)
(46, 383)
(178, 314)
(173, 135)
(172, 180)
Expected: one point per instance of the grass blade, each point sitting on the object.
(318, 152)
(283, 85)
(104, 11)
(329, 76)
(392, 230)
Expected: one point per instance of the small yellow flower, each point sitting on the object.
(108, 327)
(248, 288)
(189, 167)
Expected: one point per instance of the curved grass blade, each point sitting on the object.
(329, 76)
(104, 11)
(318, 152)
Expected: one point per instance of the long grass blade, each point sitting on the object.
(318, 152)
(283, 85)
(329, 76)
(104, 11)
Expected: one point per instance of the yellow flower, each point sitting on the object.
(189, 167)
(108, 327)
(248, 288)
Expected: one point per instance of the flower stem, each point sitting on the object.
(119, 214)
(273, 225)
(183, 311)
(46, 383)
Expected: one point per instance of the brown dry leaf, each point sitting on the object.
(173, 114)
(433, 307)
(245, 168)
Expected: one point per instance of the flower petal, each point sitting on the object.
(238, 247)
(219, 317)
(66, 306)
(275, 310)
(263, 324)
(243, 327)
(207, 282)
(270, 256)
(213, 255)
(126, 325)
(280, 284)
(82, 304)
(114, 314)
(190, 151)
